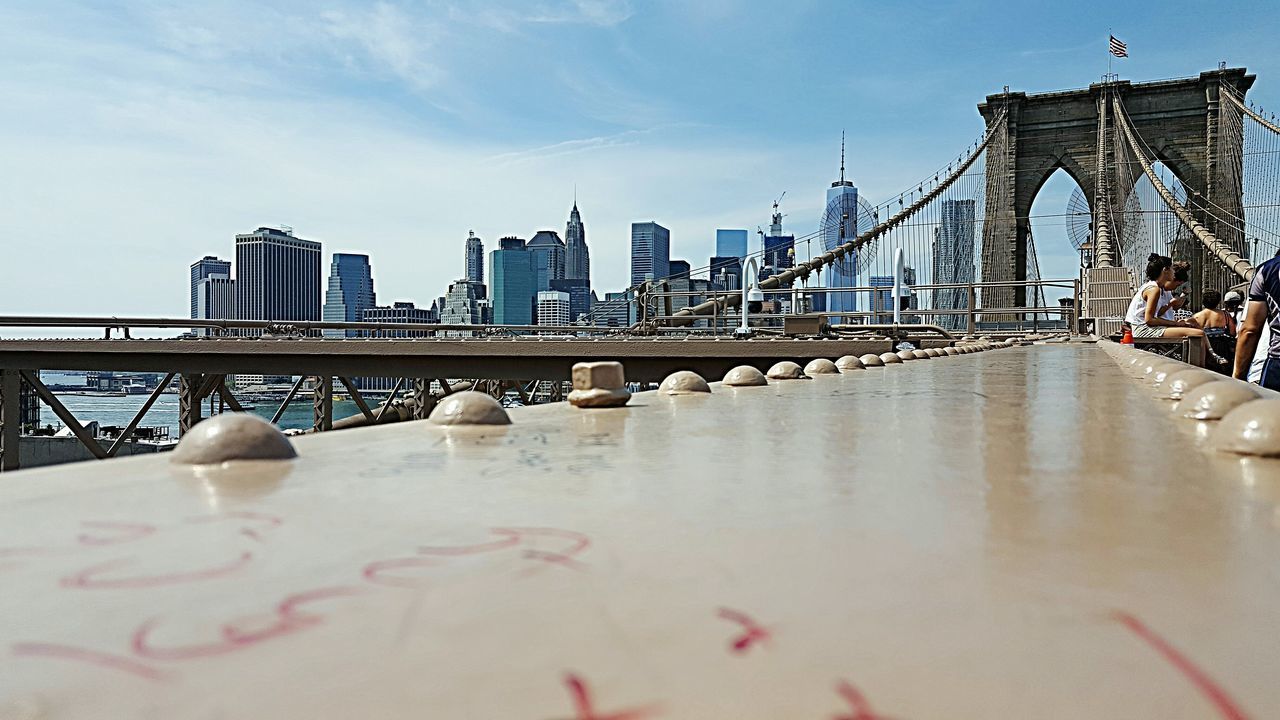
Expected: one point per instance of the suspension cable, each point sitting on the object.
(1228, 257)
(687, 315)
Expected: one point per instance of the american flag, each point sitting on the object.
(1118, 48)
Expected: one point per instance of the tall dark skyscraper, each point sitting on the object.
(350, 292)
(577, 259)
(953, 258)
(475, 259)
(650, 252)
(277, 276)
(548, 258)
(201, 269)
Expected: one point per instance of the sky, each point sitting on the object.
(139, 136)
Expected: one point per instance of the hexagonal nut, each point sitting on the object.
(1250, 429)
(786, 370)
(468, 407)
(606, 375)
(232, 436)
(745, 376)
(1213, 400)
(599, 397)
(684, 382)
(821, 366)
(849, 363)
(871, 360)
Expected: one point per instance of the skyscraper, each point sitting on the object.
(650, 252)
(462, 305)
(553, 307)
(203, 268)
(731, 243)
(548, 257)
(350, 292)
(727, 271)
(953, 259)
(679, 269)
(577, 259)
(475, 259)
(579, 293)
(277, 276)
(215, 299)
(779, 249)
(512, 282)
(840, 225)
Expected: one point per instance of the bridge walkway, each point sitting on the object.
(981, 536)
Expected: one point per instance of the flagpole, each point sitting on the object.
(1109, 53)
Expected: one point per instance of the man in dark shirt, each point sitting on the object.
(1263, 309)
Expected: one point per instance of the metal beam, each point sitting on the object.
(322, 403)
(137, 418)
(225, 393)
(188, 401)
(387, 405)
(355, 395)
(293, 391)
(10, 411)
(64, 415)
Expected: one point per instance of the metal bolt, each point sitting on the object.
(951, 351)
(871, 360)
(469, 408)
(598, 384)
(890, 358)
(906, 355)
(786, 370)
(922, 354)
(745, 376)
(232, 436)
(849, 363)
(821, 366)
(1213, 400)
(684, 382)
(1250, 429)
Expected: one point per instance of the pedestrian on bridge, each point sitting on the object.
(1262, 316)
(1152, 300)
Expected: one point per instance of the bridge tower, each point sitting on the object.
(1182, 122)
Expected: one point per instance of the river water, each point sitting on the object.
(120, 410)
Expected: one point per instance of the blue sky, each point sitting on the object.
(138, 136)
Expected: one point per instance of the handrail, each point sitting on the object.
(228, 324)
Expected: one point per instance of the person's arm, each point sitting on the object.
(1247, 340)
(1152, 316)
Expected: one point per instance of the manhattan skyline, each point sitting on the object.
(141, 138)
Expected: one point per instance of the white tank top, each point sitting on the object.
(1137, 314)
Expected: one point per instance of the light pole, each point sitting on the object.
(750, 294)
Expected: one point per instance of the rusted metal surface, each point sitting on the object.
(1024, 533)
(646, 360)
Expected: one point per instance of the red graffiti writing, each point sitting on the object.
(752, 632)
(584, 709)
(118, 532)
(1226, 706)
(861, 708)
(88, 579)
(240, 634)
(91, 657)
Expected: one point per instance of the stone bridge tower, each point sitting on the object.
(1182, 121)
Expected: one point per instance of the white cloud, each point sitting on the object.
(387, 38)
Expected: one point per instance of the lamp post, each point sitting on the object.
(750, 294)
